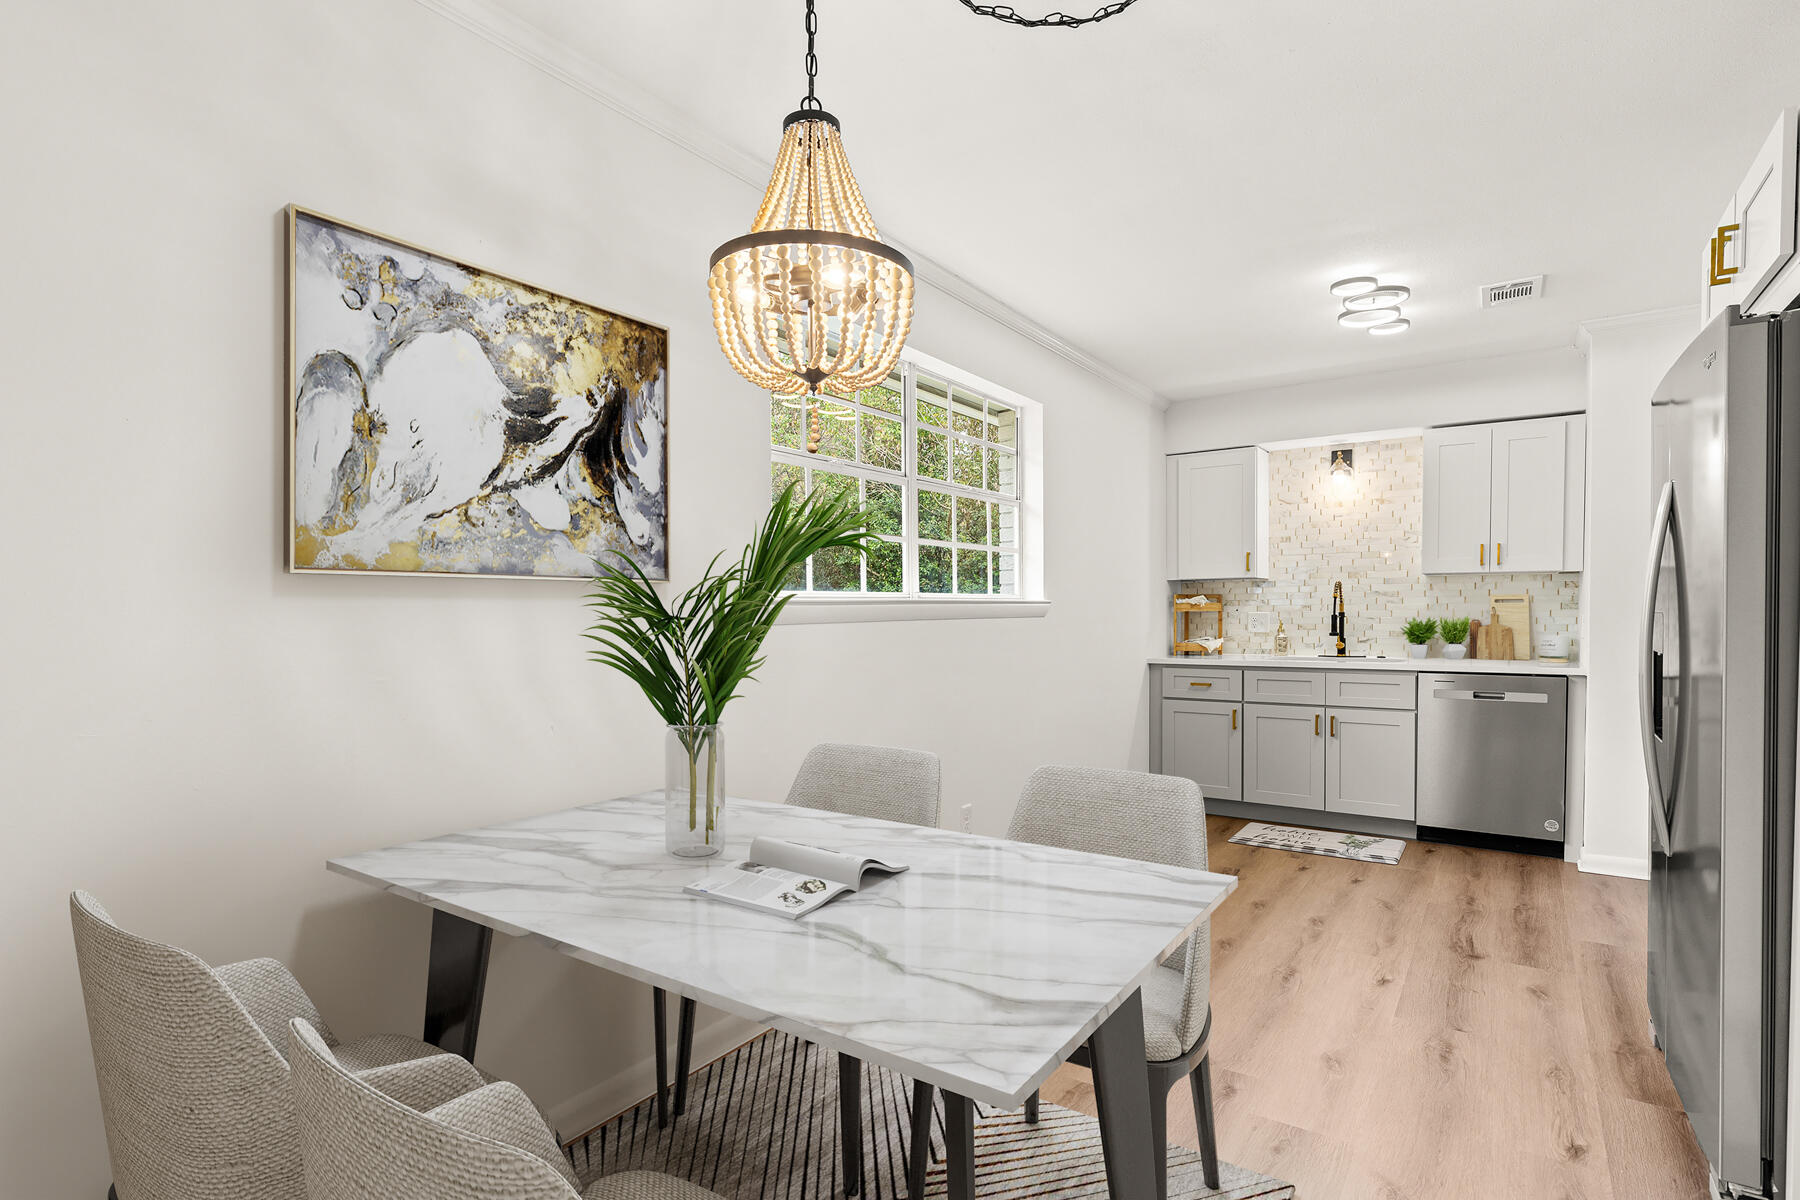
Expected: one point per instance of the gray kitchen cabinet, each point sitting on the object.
(1284, 755)
(1218, 524)
(1371, 766)
(1202, 740)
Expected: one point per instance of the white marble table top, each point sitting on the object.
(978, 970)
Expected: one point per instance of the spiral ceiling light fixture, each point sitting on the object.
(811, 297)
(1372, 305)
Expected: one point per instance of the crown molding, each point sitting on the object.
(521, 39)
(1675, 315)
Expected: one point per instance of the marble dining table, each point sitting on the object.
(977, 971)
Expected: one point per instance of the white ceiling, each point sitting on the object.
(1172, 190)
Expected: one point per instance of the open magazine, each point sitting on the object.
(788, 878)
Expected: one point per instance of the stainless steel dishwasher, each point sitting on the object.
(1493, 752)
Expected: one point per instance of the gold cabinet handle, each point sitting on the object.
(1315, 724)
(1234, 718)
(1496, 554)
(1483, 554)
(1198, 683)
(1246, 562)
(1334, 726)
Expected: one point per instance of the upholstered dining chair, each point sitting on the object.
(884, 782)
(359, 1143)
(1152, 818)
(189, 1058)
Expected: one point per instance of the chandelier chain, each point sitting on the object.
(1058, 20)
(812, 59)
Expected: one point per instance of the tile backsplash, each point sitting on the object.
(1365, 532)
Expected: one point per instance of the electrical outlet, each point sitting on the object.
(968, 818)
(1261, 622)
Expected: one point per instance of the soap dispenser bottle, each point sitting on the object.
(1281, 637)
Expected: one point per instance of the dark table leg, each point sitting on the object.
(455, 982)
(918, 1150)
(959, 1146)
(1122, 1095)
(660, 1007)
(684, 1053)
(850, 1121)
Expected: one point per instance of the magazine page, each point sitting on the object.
(768, 889)
(818, 862)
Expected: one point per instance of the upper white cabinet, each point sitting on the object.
(1505, 497)
(1761, 247)
(1219, 514)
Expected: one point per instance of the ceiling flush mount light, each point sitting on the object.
(1385, 296)
(1362, 318)
(1356, 285)
(1389, 328)
(811, 296)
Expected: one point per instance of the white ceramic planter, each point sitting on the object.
(1419, 650)
(1455, 651)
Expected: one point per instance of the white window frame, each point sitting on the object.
(809, 607)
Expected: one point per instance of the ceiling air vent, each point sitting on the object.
(1513, 291)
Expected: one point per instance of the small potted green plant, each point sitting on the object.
(1418, 633)
(1454, 631)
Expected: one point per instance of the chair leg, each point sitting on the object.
(684, 1054)
(112, 1192)
(918, 1151)
(659, 1003)
(1159, 1135)
(1031, 1109)
(850, 1121)
(1201, 1082)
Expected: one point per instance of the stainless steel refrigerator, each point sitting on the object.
(1720, 655)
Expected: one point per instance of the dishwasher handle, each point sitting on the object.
(1490, 697)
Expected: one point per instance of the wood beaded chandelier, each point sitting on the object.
(811, 296)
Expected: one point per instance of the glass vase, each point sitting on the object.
(694, 790)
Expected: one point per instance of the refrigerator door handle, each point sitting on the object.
(1666, 529)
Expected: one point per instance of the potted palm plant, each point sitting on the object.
(1418, 633)
(691, 656)
(1455, 631)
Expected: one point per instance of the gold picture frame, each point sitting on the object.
(445, 419)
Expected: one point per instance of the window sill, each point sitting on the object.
(824, 610)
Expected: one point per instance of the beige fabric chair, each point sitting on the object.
(193, 1082)
(870, 781)
(361, 1144)
(1152, 818)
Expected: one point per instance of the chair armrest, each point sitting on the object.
(273, 997)
(424, 1083)
(503, 1113)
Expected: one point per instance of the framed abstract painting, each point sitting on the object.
(446, 420)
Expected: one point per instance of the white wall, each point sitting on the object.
(189, 732)
(1486, 389)
(1627, 357)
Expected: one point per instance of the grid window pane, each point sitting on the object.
(837, 432)
(967, 414)
(1006, 574)
(931, 401)
(934, 515)
(934, 569)
(784, 423)
(882, 444)
(1003, 425)
(1002, 472)
(1003, 529)
(838, 569)
(971, 521)
(972, 572)
(884, 505)
(883, 396)
(887, 567)
(835, 484)
(965, 463)
(934, 456)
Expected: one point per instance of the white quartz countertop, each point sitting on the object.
(1471, 666)
(978, 970)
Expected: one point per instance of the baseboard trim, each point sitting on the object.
(599, 1104)
(1625, 866)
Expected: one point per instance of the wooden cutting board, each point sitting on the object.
(1474, 642)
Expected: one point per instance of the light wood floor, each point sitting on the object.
(1466, 1024)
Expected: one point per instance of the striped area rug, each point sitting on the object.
(762, 1124)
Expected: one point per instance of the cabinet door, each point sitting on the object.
(1218, 515)
(1765, 212)
(1284, 755)
(1458, 472)
(1530, 472)
(1202, 741)
(1370, 762)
